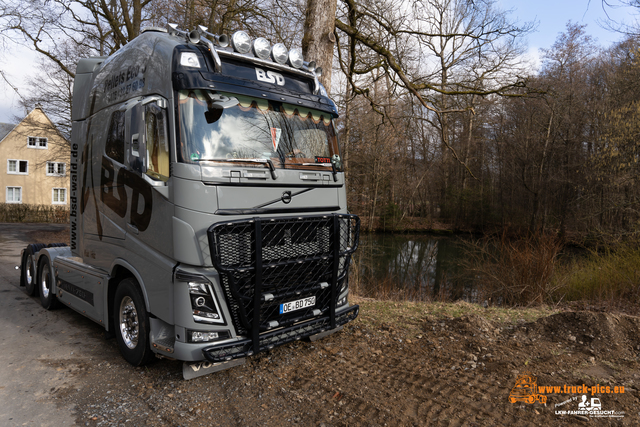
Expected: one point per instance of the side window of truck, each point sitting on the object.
(114, 147)
(157, 143)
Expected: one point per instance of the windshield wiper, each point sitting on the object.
(267, 162)
(333, 168)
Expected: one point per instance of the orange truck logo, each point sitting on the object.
(526, 390)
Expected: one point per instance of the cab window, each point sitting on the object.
(157, 143)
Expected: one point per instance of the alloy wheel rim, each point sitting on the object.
(29, 272)
(128, 320)
(45, 283)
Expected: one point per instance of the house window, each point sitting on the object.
(18, 167)
(56, 169)
(36, 142)
(59, 196)
(14, 194)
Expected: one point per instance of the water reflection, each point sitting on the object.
(421, 268)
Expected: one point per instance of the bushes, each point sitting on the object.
(611, 278)
(527, 272)
(17, 212)
(514, 272)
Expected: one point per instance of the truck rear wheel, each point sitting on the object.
(131, 324)
(45, 276)
(28, 271)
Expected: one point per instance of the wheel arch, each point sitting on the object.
(121, 270)
(42, 253)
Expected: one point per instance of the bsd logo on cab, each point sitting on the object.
(269, 77)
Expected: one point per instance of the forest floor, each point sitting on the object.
(397, 364)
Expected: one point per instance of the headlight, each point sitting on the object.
(279, 53)
(295, 58)
(189, 59)
(204, 306)
(241, 42)
(261, 48)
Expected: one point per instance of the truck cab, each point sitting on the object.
(208, 202)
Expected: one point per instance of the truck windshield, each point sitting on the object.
(291, 136)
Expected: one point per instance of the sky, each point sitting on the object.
(551, 16)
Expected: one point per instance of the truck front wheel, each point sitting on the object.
(131, 324)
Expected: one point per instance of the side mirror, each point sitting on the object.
(135, 138)
(214, 113)
(216, 105)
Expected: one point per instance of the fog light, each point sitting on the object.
(205, 336)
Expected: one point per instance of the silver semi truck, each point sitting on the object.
(208, 213)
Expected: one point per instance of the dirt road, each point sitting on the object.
(398, 364)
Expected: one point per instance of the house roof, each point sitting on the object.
(5, 128)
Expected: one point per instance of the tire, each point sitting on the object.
(56, 245)
(28, 274)
(46, 280)
(131, 324)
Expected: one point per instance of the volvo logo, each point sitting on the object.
(286, 197)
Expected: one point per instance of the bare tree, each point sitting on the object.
(319, 39)
(436, 50)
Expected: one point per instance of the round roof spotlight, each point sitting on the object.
(279, 53)
(318, 71)
(261, 48)
(241, 42)
(311, 66)
(295, 58)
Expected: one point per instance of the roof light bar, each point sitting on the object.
(241, 42)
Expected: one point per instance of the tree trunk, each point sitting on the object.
(318, 40)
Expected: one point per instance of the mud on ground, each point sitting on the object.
(398, 364)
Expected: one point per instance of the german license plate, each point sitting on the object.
(297, 305)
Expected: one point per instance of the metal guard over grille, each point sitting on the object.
(273, 339)
(266, 262)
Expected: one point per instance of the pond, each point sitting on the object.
(413, 267)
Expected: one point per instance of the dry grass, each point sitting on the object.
(410, 314)
(514, 272)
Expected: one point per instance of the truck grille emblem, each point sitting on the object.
(286, 197)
